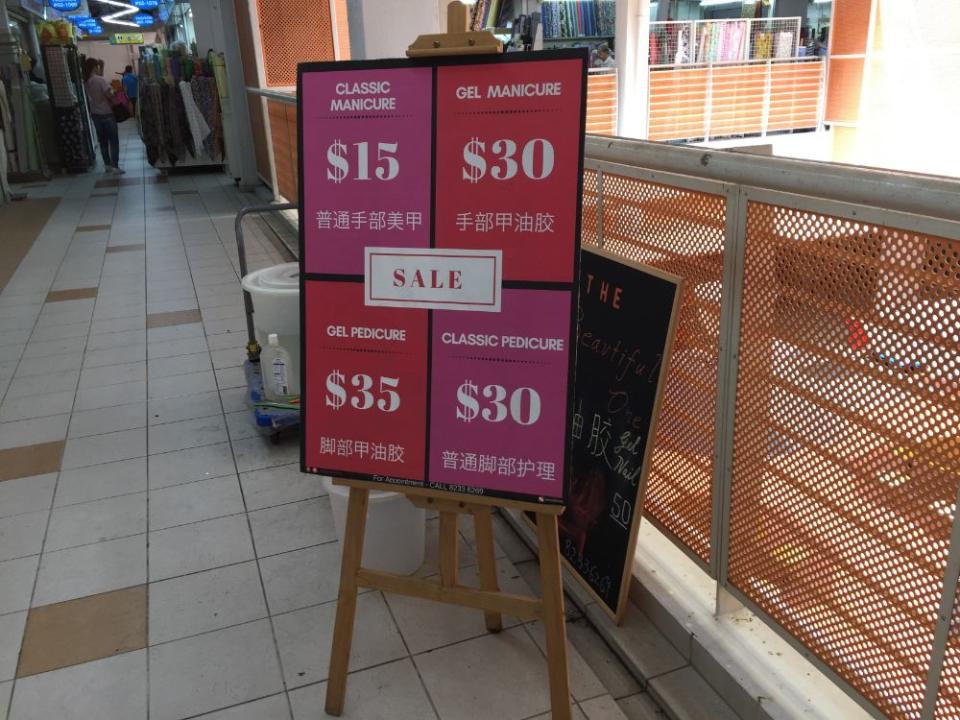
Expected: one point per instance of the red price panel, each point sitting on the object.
(508, 138)
(367, 386)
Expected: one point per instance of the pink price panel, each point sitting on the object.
(440, 217)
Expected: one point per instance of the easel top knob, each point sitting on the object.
(457, 40)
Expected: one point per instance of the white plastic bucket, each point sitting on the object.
(276, 309)
(395, 533)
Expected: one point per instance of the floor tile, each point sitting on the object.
(49, 365)
(106, 341)
(114, 688)
(5, 689)
(34, 431)
(91, 569)
(389, 692)
(11, 635)
(41, 384)
(22, 535)
(75, 294)
(649, 649)
(192, 502)
(279, 485)
(16, 584)
(179, 365)
(641, 707)
(231, 377)
(99, 449)
(83, 630)
(30, 460)
(102, 376)
(96, 521)
(584, 684)
(494, 677)
(201, 546)
(301, 578)
(212, 671)
(172, 348)
(205, 601)
(242, 425)
(615, 677)
(289, 527)
(107, 420)
(688, 694)
(96, 482)
(175, 332)
(185, 434)
(602, 708)
(258, 453)
(27, 494)
(36, 406)
(304, 639)
(184, 408)
(61, 345)
(182, 385)
(111, 396)
(271, 708)
(177, 317)
(427, 625)
(186, 466)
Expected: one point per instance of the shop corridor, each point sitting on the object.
(158, 557)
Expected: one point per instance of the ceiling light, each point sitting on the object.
(117, 3)
(709, 3)
(120, 22)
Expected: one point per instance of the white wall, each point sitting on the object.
(115, 57)
(385, 28)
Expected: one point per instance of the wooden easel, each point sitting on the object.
(488, 597)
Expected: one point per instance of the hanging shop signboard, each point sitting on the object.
(628, 314)
(145, 4)
(65, 5)
(440, 213)
(144, 19)
(133, 38)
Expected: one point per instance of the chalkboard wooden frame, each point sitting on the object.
(617, 610)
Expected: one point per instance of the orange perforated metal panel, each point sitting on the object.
(591, 210)
(844, 85)
(850, 27)
(679, 231)
(283, 131)
(846, 458)
(292, 32)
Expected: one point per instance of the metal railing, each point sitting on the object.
(808, 450)
(808, 455)
(708, 42)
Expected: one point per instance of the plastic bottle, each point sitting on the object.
(275, 366)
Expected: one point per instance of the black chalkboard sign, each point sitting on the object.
(627, 319)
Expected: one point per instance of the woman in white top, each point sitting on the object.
(99, 93)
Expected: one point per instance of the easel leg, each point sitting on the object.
(554, 623)
(347, 599)
(449, 548)
(483, 527)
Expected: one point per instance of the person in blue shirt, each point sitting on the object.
(129, 81)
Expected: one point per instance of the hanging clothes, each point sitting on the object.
(784, 47)
(199, 130)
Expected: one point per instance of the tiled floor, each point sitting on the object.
(159, 558)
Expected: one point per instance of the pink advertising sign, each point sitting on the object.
(440, 218)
